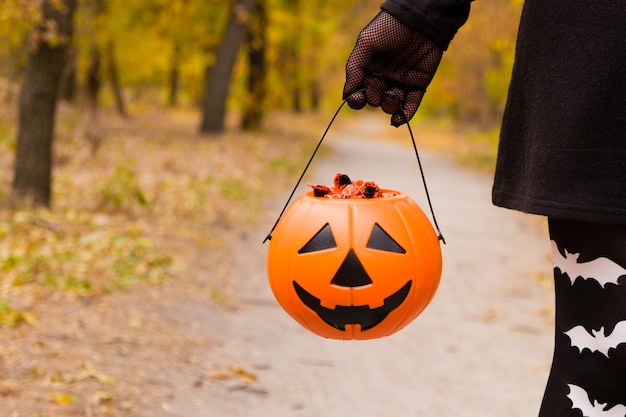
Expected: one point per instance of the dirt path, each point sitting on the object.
(482, 348)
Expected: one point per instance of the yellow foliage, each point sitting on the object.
(72, 251)
(58, 5)
(19, 10)
(472, 81)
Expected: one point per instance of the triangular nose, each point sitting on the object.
(351, 273)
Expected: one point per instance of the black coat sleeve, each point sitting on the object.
(437, 20)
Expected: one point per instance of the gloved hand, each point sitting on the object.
(394, 64)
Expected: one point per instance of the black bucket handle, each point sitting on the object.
(419, 163)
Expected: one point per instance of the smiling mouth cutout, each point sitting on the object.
(364, 316)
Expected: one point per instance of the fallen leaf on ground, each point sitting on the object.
(62, 398)
(88, 371)
(233, 371)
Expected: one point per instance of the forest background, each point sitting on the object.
(135, 133)
(162, 53)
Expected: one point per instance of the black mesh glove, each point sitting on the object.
(394, 64)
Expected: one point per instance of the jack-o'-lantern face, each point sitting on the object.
(354, 269)
(352, 274)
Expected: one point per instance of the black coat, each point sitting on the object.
(562, 149)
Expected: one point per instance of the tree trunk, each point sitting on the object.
(294, 59)
(296, 95)
(217, 84)
(255, 103)
(172, 100)
(94, 68)
(115, 81)
(94, 79)
(37, 104)
(316, 95)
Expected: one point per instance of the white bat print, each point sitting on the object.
(597, 340)
(580, 400)
(603, 270)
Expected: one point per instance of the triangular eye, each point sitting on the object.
(322, 240)
(379, 239)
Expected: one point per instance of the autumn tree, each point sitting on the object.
(37, 102)
(217, 85)
(289, 53)
(100, 50)
(254, 106)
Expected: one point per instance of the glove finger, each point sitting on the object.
(411, 104)
(357, 100)
(392, 100)
(355, 78)
(375, 90)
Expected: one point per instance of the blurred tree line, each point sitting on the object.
(253, 56)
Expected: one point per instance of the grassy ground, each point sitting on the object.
(138, 204)
(128, 202)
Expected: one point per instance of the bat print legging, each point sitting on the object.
(588, 374)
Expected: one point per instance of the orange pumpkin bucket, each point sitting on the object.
(354, 268)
